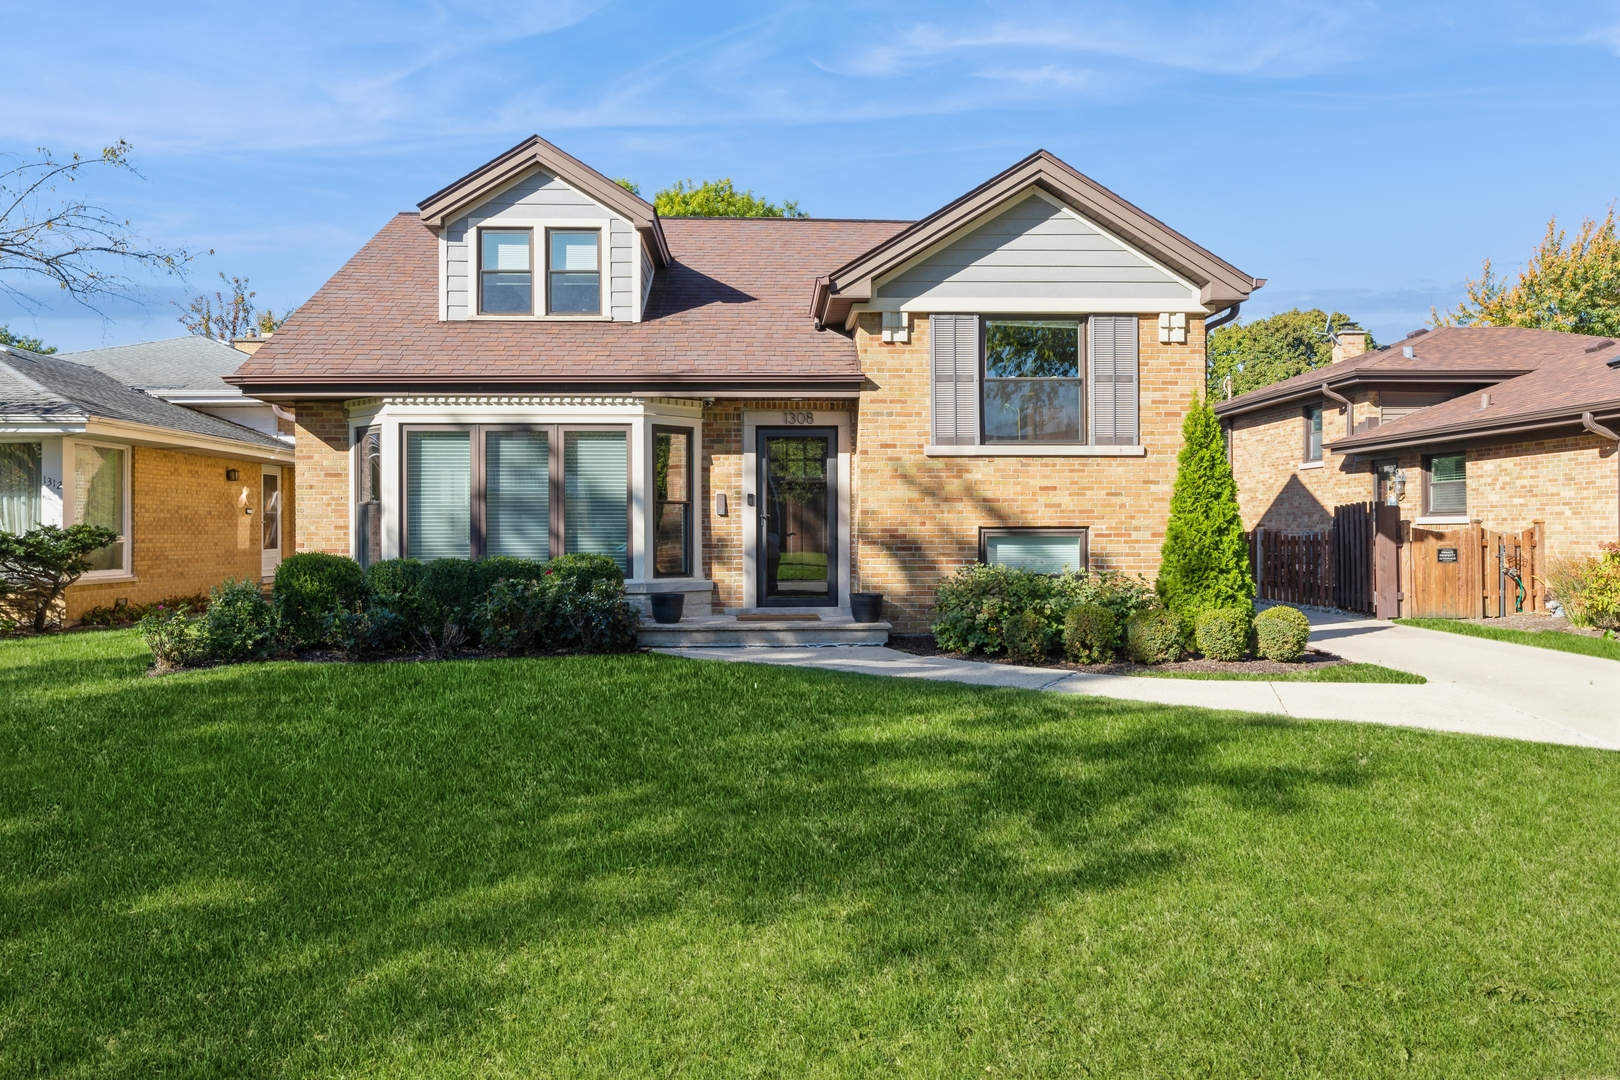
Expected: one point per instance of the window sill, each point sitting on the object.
(1310, 464)
(104, 577)
(637, 587)
(481, 317)
(1033, 450)
(1444, 519)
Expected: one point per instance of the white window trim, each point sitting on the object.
(1444, 519)
(70, 511)
(541, 228)
(1310, 464)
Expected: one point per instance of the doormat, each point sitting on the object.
(784, 617)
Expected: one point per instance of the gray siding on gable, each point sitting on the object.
(536, 198)
(1034, 251)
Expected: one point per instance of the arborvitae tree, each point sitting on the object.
(1205, 559)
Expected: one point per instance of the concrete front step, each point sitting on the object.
(723, 630)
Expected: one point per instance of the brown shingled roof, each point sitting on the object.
(728, 313)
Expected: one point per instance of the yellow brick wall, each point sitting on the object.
(323, 477)
(190, 529)
(1268, 448)
(918, 518)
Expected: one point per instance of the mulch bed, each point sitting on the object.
(923, 645)
(1556, 624)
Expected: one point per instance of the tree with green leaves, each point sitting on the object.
(1205, 559)
(229, 318)
(718, 198)
(1572, 286)
(37, 566)
(20, 341)
(1269, 350)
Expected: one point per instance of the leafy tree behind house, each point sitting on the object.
(719, 198)
(19, 341)
(1205, 559)
(1572, 286)
(1272, 349)
(215, 316)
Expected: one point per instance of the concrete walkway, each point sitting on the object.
(1475, 686)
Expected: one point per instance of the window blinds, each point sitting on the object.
(596, 497)
(954, 360)
(438, 494)
(517, 494)
(1114, 355)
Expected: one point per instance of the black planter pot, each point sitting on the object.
(666, 606)
(866, 606)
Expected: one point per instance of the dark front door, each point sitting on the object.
(797, 501)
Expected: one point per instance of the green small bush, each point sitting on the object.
(1025, 635)
(556, 613)
(1153, 636)
(238, 624)
(125, 614)
(450, 590)
(585, 570)
(1090, 634)
(1280, 633)
(308, 586)
(506, 568)
(371, 630)
(975, 604)
(176, 639)
(1222, 633)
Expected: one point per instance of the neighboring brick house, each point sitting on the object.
(194, 498)
(1493, 425)
(764, 414)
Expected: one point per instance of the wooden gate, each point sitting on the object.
(1292, 567)
(1353, 557)
(1473, 573)
(1387, 561)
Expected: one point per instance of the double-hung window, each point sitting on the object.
(1032, 380)
(574, 272)
(1313, 433)
(1448, 485)
(505, 272)
(672, 502)
(22, 469)
(101, 497)
(531, 492)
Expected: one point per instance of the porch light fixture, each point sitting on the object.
(1173, 328)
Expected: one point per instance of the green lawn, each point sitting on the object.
(1541, 639)
(644, 866)
(1338, 673)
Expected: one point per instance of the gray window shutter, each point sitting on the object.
(1114, 364)
(954, 362)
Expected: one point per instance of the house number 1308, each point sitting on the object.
(798, 418)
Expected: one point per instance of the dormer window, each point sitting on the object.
(575, 272)
(506, 274)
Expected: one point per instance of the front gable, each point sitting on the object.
(1033, 256)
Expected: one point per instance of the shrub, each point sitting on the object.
(1025, 636)
(1223, 633)
(369, 630)
(308, 586)
(974, 604)
(450, 591)
(125, 614)
(1090, 634)
(557, 613)
(597, 619)
(1154, 636)
(506, 568)
(586, 570)
(1280, 633)
(1205, 558)
(176, 640)
(238, 624)
(36, 567)
(1589, 589)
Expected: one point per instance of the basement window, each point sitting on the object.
(1042, 551)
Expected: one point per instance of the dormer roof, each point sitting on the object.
(1220, 283)
(535, 153)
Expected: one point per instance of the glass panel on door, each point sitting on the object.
(796, 519)
(270, 513)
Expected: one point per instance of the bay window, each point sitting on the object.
(532, 492)
(672, 502)
(1032, 380)
(22, 467)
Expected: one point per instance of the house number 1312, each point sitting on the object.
(798, 418)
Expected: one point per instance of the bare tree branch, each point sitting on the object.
(48, 231)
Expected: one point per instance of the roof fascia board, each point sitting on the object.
(490, 179)
(1086, 197)
(1363, 377)
(752, 386)
(170, 439)
(1511, 425)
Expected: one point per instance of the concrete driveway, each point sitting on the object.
(1475, 686)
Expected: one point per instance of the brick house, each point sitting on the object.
(1496, 428)
(195, 498)
(765, 414)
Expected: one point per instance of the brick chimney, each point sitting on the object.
(1352, 342)
(250, 345)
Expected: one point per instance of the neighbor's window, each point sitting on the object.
(1313, 433)
(575, 273)
(482, 491)
(672, 502)
(1044, 551)
(505, 272)
(1448, 484)
(22, 471)
(101, 497)
(1032, 380)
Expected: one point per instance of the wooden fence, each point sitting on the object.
(1353, 557)
(1293, 567)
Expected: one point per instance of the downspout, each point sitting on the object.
(1596, 428)
(1223, 318)
(1349, 411)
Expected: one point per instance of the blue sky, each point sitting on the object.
(1360, 156)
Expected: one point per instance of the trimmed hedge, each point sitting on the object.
(1281, 633)
(1154, 636)
(1222, 633)
(1090, 634)
(975, 604)
(1025, 636)
(308, 586)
